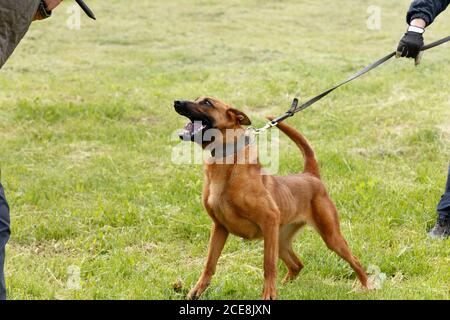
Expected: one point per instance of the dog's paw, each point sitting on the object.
(289, 277)
(195, 292)
(369, 286)
(292, 274)
(269, 294)
(192, 295)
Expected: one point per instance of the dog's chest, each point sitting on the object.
(216, 195)
(222, 210)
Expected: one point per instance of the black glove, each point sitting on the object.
(411, 45)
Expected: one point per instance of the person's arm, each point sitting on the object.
(420, 15)
(15, 19)
(46, 9)
(425, 11)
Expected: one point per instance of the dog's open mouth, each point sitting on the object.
(198, 122)
(194, 129)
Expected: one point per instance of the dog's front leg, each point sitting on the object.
(270, 229)
(219, 236)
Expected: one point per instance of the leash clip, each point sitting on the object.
(257, 131)
(274, 122)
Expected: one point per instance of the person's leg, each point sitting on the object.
(4, 237)
(441, 229)
(443, 208)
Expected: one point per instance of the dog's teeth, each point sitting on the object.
(189, 127)
(199, 129)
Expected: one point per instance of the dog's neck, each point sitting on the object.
(222, 153)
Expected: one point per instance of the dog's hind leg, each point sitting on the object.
(326, 222)
(287, 254)
(219, 236)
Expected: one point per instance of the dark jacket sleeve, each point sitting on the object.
(15, 19)
(427, 10)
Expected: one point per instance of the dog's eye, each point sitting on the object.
(208, 103)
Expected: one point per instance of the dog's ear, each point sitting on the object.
(239, 116)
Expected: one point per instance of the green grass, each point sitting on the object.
(86, 119)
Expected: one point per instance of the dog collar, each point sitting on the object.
(231, 148)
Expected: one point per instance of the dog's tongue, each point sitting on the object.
(191, 127)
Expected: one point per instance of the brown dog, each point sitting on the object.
(242, 201)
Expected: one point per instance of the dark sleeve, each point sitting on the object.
(427, 10)
(15, 19)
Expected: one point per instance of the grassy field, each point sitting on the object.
(86, 120)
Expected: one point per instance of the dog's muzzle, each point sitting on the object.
(193, 130)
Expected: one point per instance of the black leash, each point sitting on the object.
(296, 108)
(86, 9)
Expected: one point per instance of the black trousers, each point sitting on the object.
(443, 208)
(4, 237)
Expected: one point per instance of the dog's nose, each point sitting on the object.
(179, 104)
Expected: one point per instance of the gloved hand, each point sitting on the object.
(410, 45)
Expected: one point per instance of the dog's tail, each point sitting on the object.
(311, 165)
